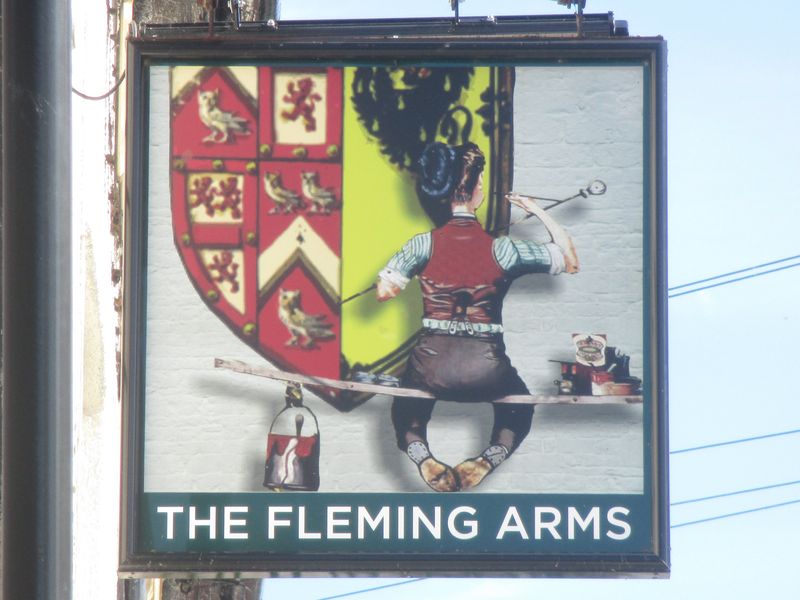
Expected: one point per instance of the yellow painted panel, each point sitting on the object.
(380, 213)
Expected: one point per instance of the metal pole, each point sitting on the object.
(36, 295)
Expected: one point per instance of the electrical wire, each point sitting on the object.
(740, 440)
(676, 526)
(736, 493)
(735, 514)
(726, 282)
(101, 96)
(707, 279)
(736, 441)
(373, 589)
(707, 287)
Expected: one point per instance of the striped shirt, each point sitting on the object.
(515, 257)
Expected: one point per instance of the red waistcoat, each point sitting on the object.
(462, 279)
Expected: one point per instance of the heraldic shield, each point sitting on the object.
(292, 185)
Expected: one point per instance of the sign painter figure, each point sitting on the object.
(464, 273)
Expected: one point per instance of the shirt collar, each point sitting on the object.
(462, 212)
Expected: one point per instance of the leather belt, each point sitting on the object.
(462, 327)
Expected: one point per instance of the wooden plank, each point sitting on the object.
(337, 384)
(398, 392)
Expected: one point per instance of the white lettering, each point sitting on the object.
(470, 524)
(539, 523)
(574, 517)
(364, 518)
(230, 523)
(334, 522)
(210, 522)
(434, 528)
(301, 526)
(516, 527)
(273, 522)
(170, 511)
(614, 521)
(401, 522)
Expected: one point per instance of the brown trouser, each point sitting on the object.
(461, 368)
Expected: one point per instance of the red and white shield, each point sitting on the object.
(258, 202)
(256, 208)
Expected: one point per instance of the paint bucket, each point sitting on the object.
(292, 461)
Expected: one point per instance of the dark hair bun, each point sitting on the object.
(436, 172)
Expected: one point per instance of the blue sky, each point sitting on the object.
(734, 202)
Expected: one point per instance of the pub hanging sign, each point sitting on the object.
(396, 304)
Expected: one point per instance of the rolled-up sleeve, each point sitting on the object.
(408, 261)
(518, 257)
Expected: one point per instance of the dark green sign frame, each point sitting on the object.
(262, 534)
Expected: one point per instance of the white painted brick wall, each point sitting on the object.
(206, 430)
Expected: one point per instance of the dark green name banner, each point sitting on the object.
(375, 524)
